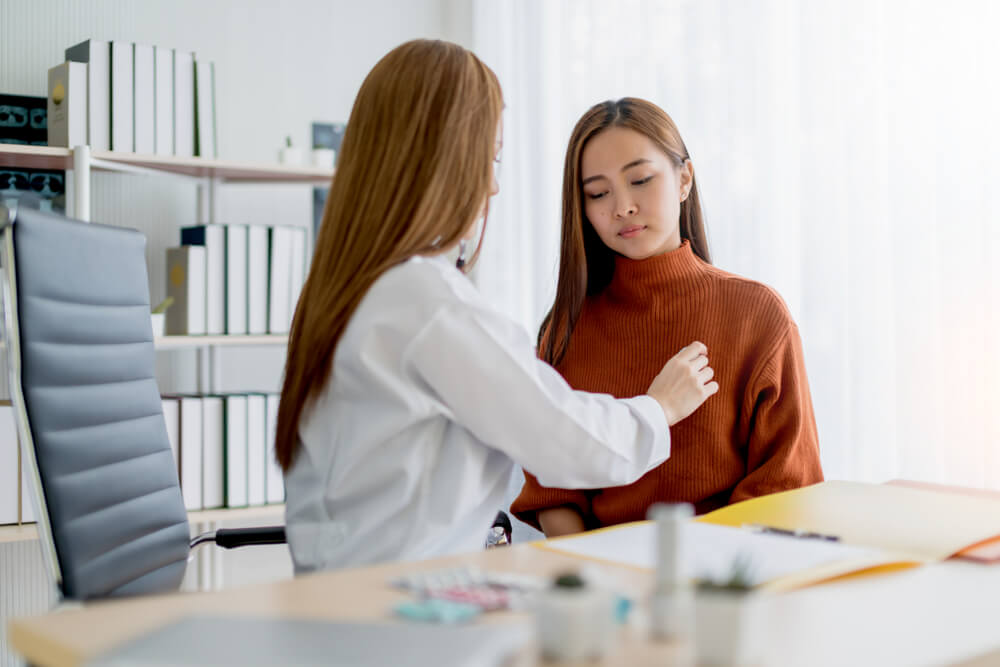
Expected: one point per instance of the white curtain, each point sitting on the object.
(847, 155)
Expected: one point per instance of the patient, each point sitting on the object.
(635, 285)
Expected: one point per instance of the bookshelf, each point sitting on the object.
(207, 175)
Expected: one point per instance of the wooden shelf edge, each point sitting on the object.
(51, 157)
(20, 156)
(28, 531)
(18, 533)
(238, 514)
(229, 170)
(185, 342)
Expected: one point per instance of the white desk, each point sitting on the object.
(941, 614)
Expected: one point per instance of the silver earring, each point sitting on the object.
(460, 264)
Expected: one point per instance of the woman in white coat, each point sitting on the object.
(407, 399)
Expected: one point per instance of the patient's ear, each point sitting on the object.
(685, 179)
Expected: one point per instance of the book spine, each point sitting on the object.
(163, 92)
(172, 420)
(236, 451)
(256, 449)
(257, 250)
(275, 476)
(191, 452)
(183, 104)
(213, 438)
(144, 99)
(122, 97)
(236, 279)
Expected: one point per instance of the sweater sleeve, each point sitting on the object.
(534, 498)
(783, 446)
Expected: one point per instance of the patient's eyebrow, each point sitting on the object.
(633, 163)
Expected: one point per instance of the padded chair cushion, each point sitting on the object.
(93, 405)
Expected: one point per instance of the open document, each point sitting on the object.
(924, 523)
(775, 562)
(800, 537)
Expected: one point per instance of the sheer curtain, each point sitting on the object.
(846, 154)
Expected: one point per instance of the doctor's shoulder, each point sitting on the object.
(426, 284)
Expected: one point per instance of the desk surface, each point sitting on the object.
(938, 614)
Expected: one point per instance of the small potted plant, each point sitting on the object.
(729, 629)
(159, 314)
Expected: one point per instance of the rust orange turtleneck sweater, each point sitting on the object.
(756, 436)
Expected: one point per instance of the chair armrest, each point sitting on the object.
(231, 538)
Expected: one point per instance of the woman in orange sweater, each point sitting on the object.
(635, 285)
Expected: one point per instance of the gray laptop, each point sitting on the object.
(244, 641)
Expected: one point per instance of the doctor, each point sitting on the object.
(407, 398)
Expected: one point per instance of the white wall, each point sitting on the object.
(279, 67)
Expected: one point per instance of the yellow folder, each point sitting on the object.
(919, 523)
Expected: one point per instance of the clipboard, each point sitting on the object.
(913, 520)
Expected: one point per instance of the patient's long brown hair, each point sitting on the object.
(414, 172)
(586, 264)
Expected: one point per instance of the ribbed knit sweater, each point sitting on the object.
(756, 436)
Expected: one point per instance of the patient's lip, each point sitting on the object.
(630, 231)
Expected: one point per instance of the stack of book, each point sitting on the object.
(235, 279)
(224, 449)
(133, 98)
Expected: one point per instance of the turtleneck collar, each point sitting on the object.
(678, 269)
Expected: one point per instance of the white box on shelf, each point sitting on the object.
(204, 95)
(186, 284)
(236, 450)
(67, 105)
(236, 279)
(279, 313)
(298, 269)
(183, 104)
(97, 55)
(9, 469)
(257, 270)
(191, 448)
(213, 448)
(122, 137)
(172, 419)
(213, 237)
(256, 449)
(144, 99)
(275, 476)
(163, 100)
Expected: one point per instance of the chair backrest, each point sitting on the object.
(81, 365)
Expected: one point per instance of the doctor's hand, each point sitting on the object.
(684, 383)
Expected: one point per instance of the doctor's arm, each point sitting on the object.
(483, 370)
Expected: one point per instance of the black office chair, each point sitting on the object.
(80, 360)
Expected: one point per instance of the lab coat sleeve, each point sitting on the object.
(483, 370)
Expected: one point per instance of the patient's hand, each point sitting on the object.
(684, 383)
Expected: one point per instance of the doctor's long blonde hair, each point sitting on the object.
(415, 169)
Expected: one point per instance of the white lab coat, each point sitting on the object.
(408, 451)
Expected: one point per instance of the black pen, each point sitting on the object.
(773, 530)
